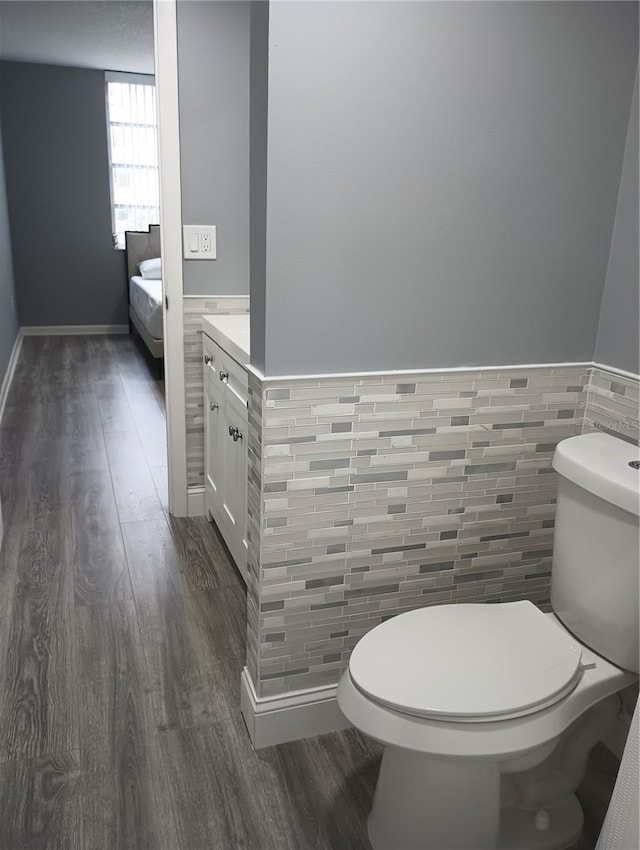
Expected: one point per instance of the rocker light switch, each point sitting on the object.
(199, 242)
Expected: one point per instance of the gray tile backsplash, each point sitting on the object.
(613, 405)
(193, 310)
(372, 496)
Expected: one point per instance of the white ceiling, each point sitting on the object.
(105, 34)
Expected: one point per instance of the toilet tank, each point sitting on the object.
(594, 579)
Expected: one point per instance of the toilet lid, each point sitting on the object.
(467, 662)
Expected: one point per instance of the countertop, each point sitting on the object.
(231, 333)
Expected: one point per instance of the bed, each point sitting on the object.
(145, 294)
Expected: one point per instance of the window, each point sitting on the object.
(133, 153)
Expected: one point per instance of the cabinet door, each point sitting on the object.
(234, 502)
(214, 444)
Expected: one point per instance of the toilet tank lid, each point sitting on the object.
(600, 464)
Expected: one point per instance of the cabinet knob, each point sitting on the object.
(224, 376)
(208, 359)
(233, 432)
(213, 406)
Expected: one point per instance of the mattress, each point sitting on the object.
(145, 296)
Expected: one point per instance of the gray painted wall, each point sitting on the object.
(213, 74)
(259, 73)
(57, 171)
(442, 181)
(8, 315)
(618, 331)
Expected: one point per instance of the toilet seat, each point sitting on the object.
(489, 662)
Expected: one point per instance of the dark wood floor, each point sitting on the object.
(122, 641)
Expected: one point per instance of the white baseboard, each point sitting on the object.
(11, 368)
(73, 330)
(289, 717)
(195, 501)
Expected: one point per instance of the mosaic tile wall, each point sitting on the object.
(612, 405)
(373, 496)
(194, 309)
(255, 521)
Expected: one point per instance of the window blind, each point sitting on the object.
(133, 152)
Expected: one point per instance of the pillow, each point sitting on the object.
(151, 269)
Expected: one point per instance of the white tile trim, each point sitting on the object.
(435, 371)
(615, 371)
(72, 330)
(11, 368)
(291, 716)
(218, 297)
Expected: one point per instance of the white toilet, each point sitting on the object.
(488, 712)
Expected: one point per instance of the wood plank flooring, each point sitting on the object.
(122, 639)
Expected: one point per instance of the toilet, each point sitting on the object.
(488, 713)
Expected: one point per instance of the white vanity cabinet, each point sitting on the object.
(225, 454)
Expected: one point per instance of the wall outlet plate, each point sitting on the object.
(199, 241)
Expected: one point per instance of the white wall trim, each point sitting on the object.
(443, 370)
(435, 371)
(289, 717)
(11, 368)
(72, 330)
(615, 371)
(4, 392)
(166, 68)
(195, 501)
(217, 297)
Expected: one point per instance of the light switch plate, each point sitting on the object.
(199, 241)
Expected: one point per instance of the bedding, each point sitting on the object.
(151, 269)
(145, 292)
(145, 296)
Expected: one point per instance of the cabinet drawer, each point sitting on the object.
(212, 356)
(238, 380)
(223, 369)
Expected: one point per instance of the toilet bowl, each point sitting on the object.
(488, 712)
(442, 777)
